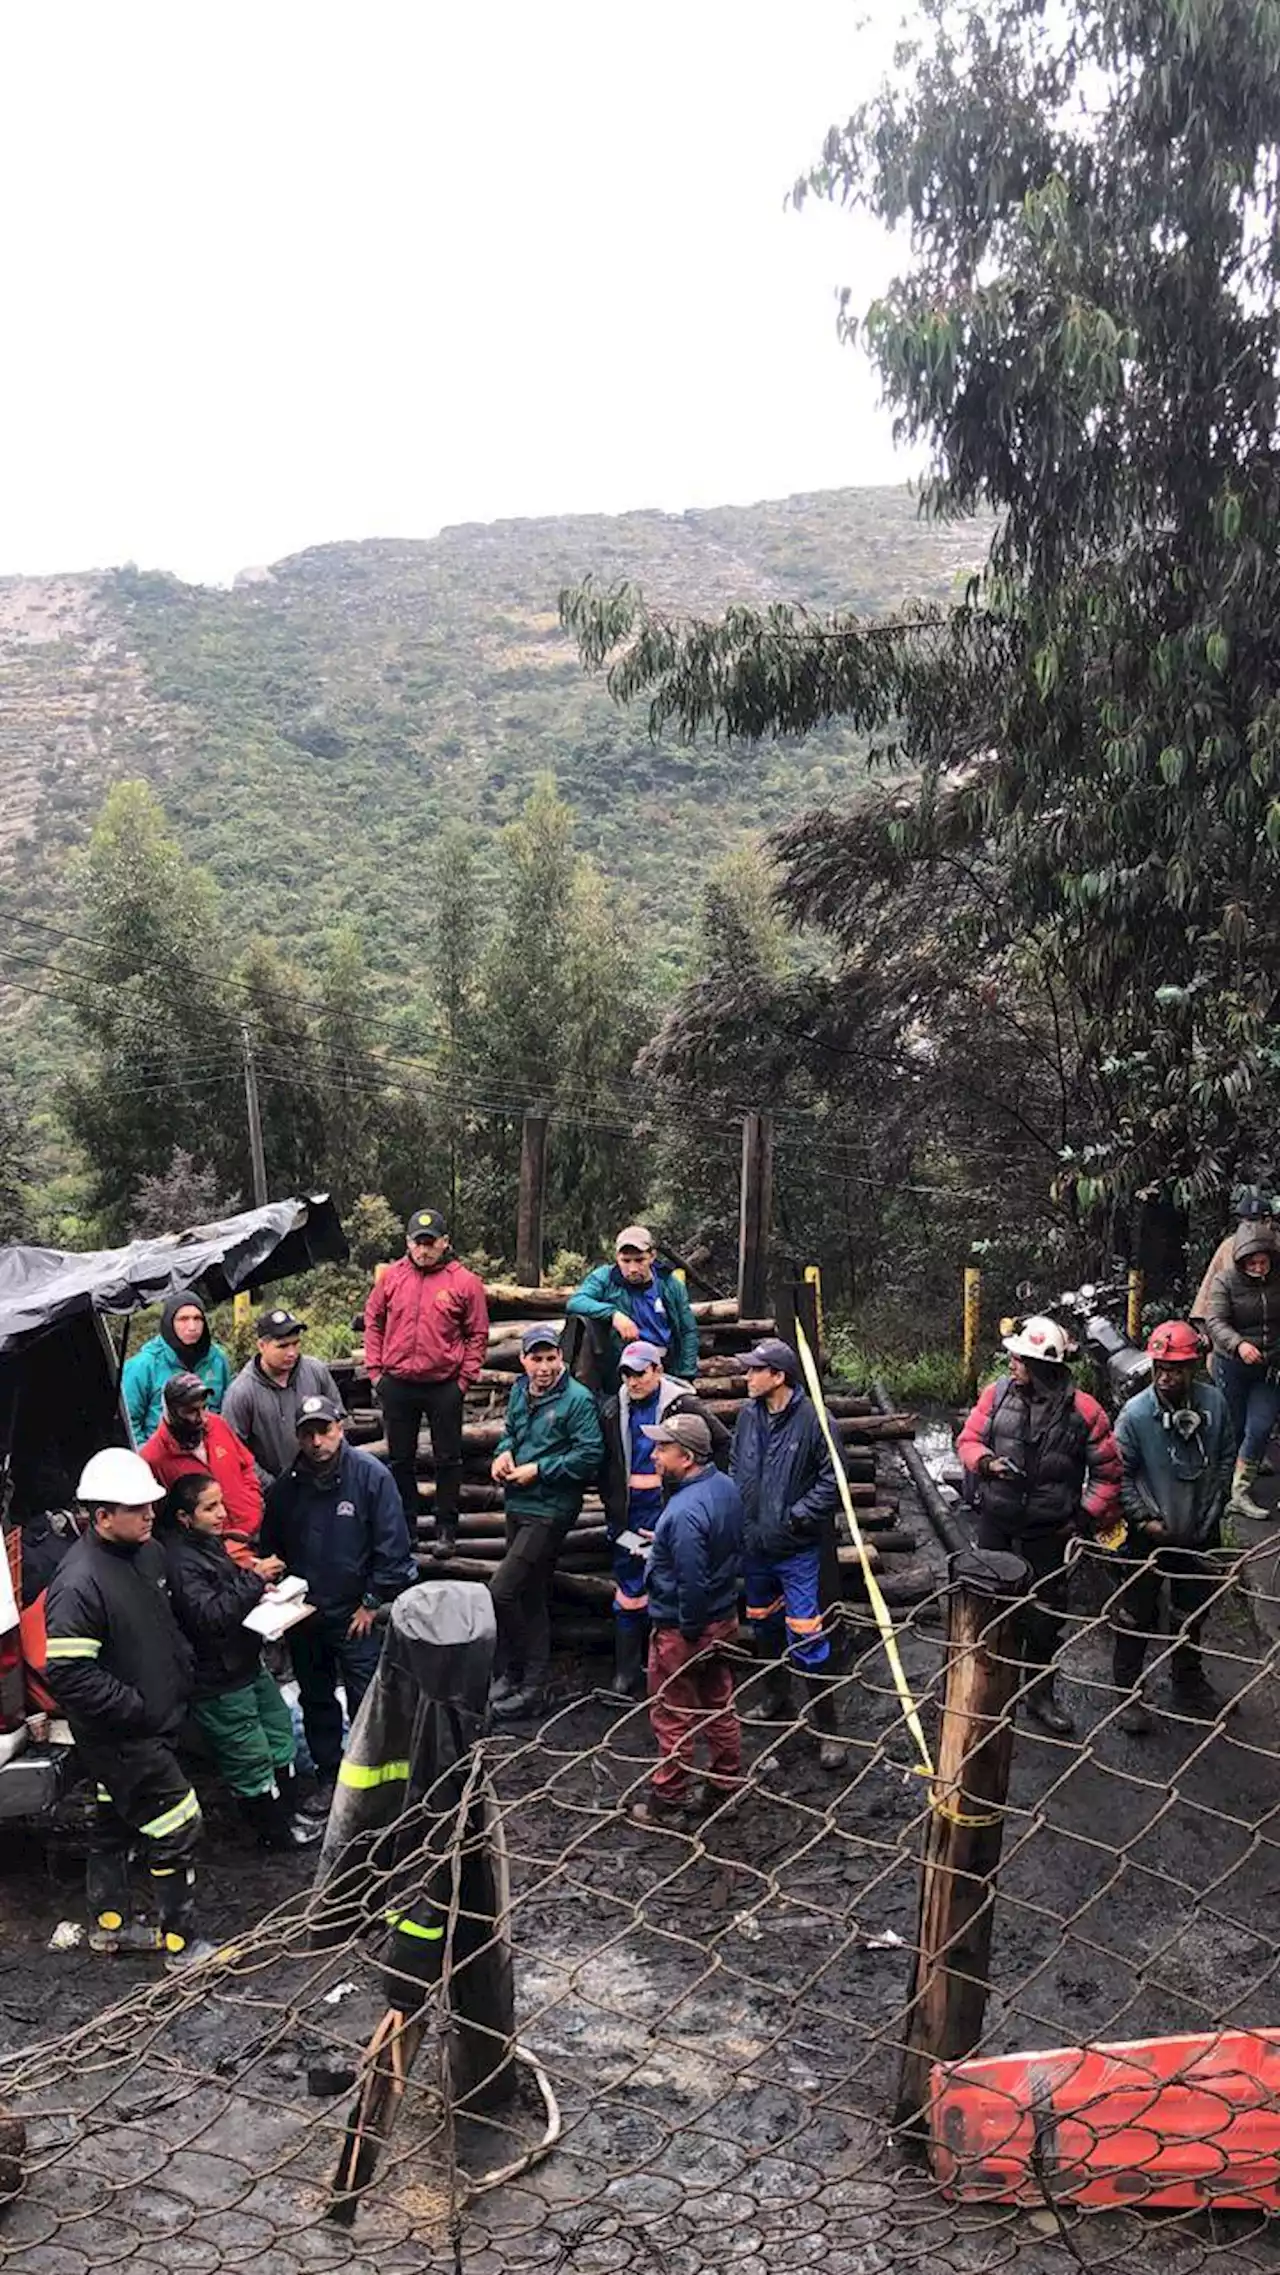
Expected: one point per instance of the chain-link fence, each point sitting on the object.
(712, 2020)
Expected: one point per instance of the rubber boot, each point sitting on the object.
(182, 1946)
(822, 1718)
(1135, 1717)
(630, 1650)
(1242, 1503)
(1193, 1693)
(271, 1816)
(444, 1542)
(771, 1700)
(106, 1879)
(1045, 1707)
(523, 1704)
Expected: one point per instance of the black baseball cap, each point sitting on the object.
(541, 1336)
(427, 1224)
(275, 1326)
(318, 1409)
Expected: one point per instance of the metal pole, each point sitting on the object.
(813, 1279)
(256, 1154)
(972, 1327)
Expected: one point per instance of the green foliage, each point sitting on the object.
(1076, 875)
(931, 1377)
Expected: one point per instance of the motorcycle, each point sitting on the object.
(1118, 1367)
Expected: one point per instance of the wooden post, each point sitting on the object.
(813, 1279)
(972, 1326)
(533, 1183)
(1133, 1308)
(966, 1823)
(755, 1216)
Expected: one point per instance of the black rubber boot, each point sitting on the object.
(1129, 1652)
(444, 1542)
(523, 1704)
(274, 1823)
(771, 1695)
(107, 1888)
(1045, 1707)
(1193, 1693)
(630, 1650)
(822, 1717)
(181, 1944)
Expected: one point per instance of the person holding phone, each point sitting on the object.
(1037, 1455)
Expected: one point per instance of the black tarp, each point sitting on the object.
(40, 1288)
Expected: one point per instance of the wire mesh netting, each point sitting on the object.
(711, 2018)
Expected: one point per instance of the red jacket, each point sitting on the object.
(225, 1459)
(1051, 1496)
(427, 1326)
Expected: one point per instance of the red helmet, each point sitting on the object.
(1174, 1344)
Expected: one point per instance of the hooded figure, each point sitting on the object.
(1244, 1326)
(171, 1352)
(411, 1793)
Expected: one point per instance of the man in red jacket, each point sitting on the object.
(426, 1335)
(191, 1441)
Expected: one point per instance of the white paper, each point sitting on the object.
(274, 1619)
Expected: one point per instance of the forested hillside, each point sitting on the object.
(310, 731)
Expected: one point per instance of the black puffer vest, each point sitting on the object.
(1048, 1440)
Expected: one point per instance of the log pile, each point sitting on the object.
(583, 1588)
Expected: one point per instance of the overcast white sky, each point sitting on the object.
(293, 271)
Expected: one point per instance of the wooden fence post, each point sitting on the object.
(533, 1183)
(755, 1219)
(966, 1823)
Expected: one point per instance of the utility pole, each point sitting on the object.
(755, 1220)
(533, 1186)
(256, 1154)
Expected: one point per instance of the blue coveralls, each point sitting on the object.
(644, 1507)
(783, 1471)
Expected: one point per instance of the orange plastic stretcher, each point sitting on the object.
(1165, 2123)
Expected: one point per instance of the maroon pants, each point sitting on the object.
(691, 1694)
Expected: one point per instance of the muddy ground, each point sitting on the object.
(719, 2020)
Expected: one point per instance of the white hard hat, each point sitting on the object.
(1038, 1338)
(117, 1478)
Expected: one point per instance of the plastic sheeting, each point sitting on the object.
(42, 1287)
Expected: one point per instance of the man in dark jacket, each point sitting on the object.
(549, 1452)
(262, 1403)
(121, 1671)
(1043, 1460)
(636, 1299)
(781, 1467)
(695, 1568)
(335, 1518)
(237, 1703)
(426, 1337)
(633, 1488)
(1177, 1447)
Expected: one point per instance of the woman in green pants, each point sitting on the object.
(237, 1703)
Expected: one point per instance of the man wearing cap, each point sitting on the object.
(193, 1442)
(636, 1299)
(262, 1403)
(549, 1452)
(335, 1518)
(632, 1489)
(695, 1567)
(426, 1337)
(783, 1471)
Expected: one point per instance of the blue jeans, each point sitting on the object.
(324, 1655)
(1253, 1402)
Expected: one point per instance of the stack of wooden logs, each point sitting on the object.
(583, 1588)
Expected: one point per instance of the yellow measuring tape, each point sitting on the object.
(883, 1617)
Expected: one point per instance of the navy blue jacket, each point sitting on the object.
(695, 1564)
(348, 1539)
(783, 1471)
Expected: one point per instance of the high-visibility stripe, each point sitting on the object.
(72, 1647)
(171, 1820)
(765, 1611)
(630, 1603)
(804, 1626)
(103, 1794)
(362, 1775)
(405, 1926)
